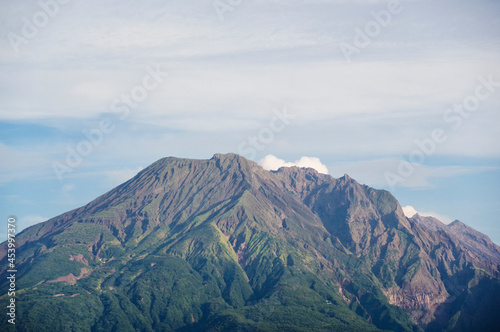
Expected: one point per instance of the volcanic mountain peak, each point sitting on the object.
(222, 244)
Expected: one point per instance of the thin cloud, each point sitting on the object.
(373, 172)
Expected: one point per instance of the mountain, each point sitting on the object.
(223, 245)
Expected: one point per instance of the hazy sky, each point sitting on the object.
(403, 96)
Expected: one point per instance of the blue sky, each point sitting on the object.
(365, 84)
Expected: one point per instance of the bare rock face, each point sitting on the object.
(420, 297)
(212, 244)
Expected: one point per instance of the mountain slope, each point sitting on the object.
(223, 245)
(481, 250)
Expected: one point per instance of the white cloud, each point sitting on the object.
(271, 162)
(409, 211)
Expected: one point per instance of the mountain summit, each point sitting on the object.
(224, 245)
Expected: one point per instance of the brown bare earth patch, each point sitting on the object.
(70, 278)
(79, 258)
